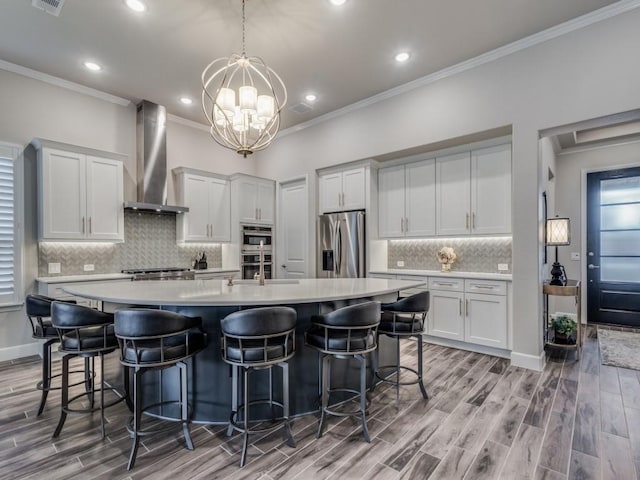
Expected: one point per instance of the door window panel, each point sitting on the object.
(620, 190)
(620, 217)
(620, 243)
(620, 269)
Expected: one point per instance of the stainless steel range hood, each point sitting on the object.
(151, 133)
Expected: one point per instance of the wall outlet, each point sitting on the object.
(54, 268)
(575, 255)
(503, 267)
(89, 267)
(400, 263)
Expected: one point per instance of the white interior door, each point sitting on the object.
(293, 230)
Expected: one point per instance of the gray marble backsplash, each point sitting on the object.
(478, 254)
(149, 242)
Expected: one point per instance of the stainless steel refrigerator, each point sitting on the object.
(341, 245)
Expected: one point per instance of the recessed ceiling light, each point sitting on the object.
(402, 57)
(186, 100)
(311, 97)
(94, 67)
(338, 2)
(136, 5)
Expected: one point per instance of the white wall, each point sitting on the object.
(31, 108)
(585, 74)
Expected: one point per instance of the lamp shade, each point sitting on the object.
(558, 232)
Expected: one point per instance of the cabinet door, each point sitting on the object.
(105, 212)
(195, 222)
(248, 201)
(453, 178)
(63, 201)
(353, 189)
(391, 202)
(491, 190)
(420, 199)
(486, 320)
(266, 202)
(219, 210)
(331, 192)
(445, 315)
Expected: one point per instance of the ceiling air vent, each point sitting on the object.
(50, 6)
(301, 108)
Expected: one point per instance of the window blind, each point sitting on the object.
(8, 232)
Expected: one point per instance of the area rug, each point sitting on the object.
(620, 349)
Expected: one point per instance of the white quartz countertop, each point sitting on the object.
(243, 292)
(116, 276)
(437, 273)
(83, 278)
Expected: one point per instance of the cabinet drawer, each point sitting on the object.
(490, 287)
(452, 284)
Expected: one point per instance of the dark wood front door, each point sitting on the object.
(613, 247)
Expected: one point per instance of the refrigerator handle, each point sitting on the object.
(338, 250)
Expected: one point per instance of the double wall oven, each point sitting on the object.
(251, 236)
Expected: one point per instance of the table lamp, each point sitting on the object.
(557, 234)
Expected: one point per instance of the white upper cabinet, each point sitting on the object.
(342, 191)
(491, 190)
(473, 192)
(255, 199)
(209, 200)
(80, 196)
(406, 200)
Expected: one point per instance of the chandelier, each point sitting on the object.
(242, 99)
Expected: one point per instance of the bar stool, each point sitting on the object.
(88, 333)
(403, 319)
(253, 339)
(155, 340)
(348, 332)
(39, 314)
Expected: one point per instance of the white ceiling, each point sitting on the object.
(343, 54)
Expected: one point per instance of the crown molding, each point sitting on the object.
(569, 26)
(187, 123)
(60, 82)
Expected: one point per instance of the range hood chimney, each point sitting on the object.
(151, 153)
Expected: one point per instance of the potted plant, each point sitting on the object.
(564, 328)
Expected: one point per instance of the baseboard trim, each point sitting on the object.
(446, 342)
(530, 362)
(19, 351)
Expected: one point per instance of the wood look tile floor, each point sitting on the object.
(485, 420)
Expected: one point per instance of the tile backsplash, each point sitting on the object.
(477, 254)
(150, 241)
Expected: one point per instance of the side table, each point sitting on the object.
(570, 289)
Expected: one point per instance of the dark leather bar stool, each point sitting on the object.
(155, 340)
(403, 319)
(254, 339)
(349, 332)
(88, 333)
(39, 314)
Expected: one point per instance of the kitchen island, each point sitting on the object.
(212, 300)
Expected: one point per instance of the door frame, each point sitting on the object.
(279, 253)
(583, 227)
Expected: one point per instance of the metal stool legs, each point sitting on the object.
(135, 428)
(325, 373)
(244, 427)
(396, 369)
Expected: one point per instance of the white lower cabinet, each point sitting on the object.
(56, 290)
(473, 311)
(445, 315)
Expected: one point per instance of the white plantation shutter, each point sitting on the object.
(10, 234)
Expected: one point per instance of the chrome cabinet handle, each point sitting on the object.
(82, 224)
(259, 214)
(460, 304)
(444, 284)
(256, 213)
(466, 308)
(402, 225)
(473, 223)
(486, 287)
(467, 223)
(406, 224)
(90, 229)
